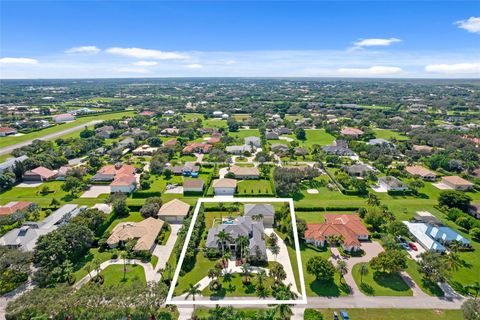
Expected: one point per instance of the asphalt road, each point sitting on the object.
(51, 136)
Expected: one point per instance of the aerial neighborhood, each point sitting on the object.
(306, 192)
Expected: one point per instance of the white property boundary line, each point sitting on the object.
(303, 299)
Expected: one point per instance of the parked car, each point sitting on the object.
(405, 246)
(344, 315)
(335, 315)
(413, 246)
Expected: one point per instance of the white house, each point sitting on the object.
(64, 117)
(224, 187)
(255, 141)
(124, 184)
(391, 183)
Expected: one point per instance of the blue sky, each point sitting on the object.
(68, 39)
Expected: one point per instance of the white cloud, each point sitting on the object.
(7, 60)
(456, 68)
(471, 24)
(143, 63)
(372, 71)
(375, 42)
(84, 50)
(193, 66)
(140, 53)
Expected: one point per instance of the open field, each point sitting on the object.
(243, 133)
(380, 283)
(397, 314)
(388, 134)
(113, 275)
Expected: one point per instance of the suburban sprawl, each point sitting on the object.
(239, 199)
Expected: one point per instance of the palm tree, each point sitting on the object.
(373, 200)
(268, 314)
(242, 242)
(363, 271)
(476, 288)
(257, 217)
(226, 256)
(223, 237)
(342, 268)
(284, 311)
(193, 291)
(246, 272)
(275, 250)
(88, 267)
(124, 257)
(260, 287)
(453, 261)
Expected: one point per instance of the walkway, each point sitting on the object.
(163, 252)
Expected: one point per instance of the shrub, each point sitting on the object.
(312, 314)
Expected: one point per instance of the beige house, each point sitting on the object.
(457, 183)
(144, 150)
(245, 172)
(145, 232)
(224, 187)
(174, 211)
(422, 172)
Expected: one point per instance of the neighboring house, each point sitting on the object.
(253, 141)
(266, 211)
(351, 132)
(422, 148)
(271, 135)
(173, 211)
(432, 237)
(475, 210)
(145, 232)
(104, 132)
(339, 148)
(14, 207)
(144, 150)
(127, 142)
(381, 142)
(7, 131)
(346, 227)
(197, 147)
(284, 130)
(279, 147)
(245, 173)
(10, 163)
(193, 185)
(391, 183)
(126, 183)
(189, 169)
(238, 149)
(424, 173)
(224, 187)
(457, 183)
(169, 113)
(25, 237)
(64, 117)
(169, 132)
(40, 174)
(147, 113)
(62, 172)
(213, 140)
(241, 226)
(359, 170)
(170, 143)
(121, 176)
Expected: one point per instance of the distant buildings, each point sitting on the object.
(391, 183)
(121, 176)
(351, 132)
(245, 173)
(144, 150)
(7, 131)
(64, 117)
(359, 170)
(39, 174)
(457, 183)
(193, 185)
(421, 172)
(174, 211)
(197, 147)
(10, 163)
(434, 238)
(14, 207)
(339, 148)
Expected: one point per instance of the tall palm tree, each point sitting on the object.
(373, 200)
(268, 314)
(242, 242)
(226, 256)
(363, 271)
(223, 237)
(261, 277)
(124, 257)
(284, 311)
(246, 272)
(257, 217)
(476, 288)
(193, 291)
(342, 268)
(453, 261)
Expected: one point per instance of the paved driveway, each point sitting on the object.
(163, 252)
(95, 191)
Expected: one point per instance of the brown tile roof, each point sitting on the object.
(244, 171)
(422, 148)
(456, 180)
(43, 172)
(124, 180)
(224, 183)
(191, 183)
(174, 207)
(7, 129)
(13, 207)
(419, 171)
(118, 169)
(348, 131)
(204, 147)
(145, 231)
(170, 143)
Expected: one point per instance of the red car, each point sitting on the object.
(413, 246)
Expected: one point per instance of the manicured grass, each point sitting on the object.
(253, 187)
(241, 116)
(429, 288)
(243, 133)
(7, 141)
(33, 194)
(79, 267)
(214, 123)
(202, 312)
(199, 271)
(380, 283)
(132, 217)
(397, 314)
(316, 136)
(388, 134)
(113, 275)
(154, 261)
(236, 288)
(317, 216)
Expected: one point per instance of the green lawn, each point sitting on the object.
(388, 134)
(429, 288)
(316, 136)
(243, 133)
(397, 314)
(253, 187)
(202, 312)
(199, 271)
(214, 123)
(10, 140)
(235, 287)
(132, 217)
(79, 267)
(380, 283)
(114, 275)
(33, 194)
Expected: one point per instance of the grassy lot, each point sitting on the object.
(388, 134)
(236, 288)
(199, 271)
(79, 267)
(381, 284)
(214, 123)
(316, 136)
(429, 288)
(242, 116)
(7, 141)
(397, 314)
(113, 275)
(33, 194)
(132, 217)
(316, 216)
(254, 186)
(243, 133)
